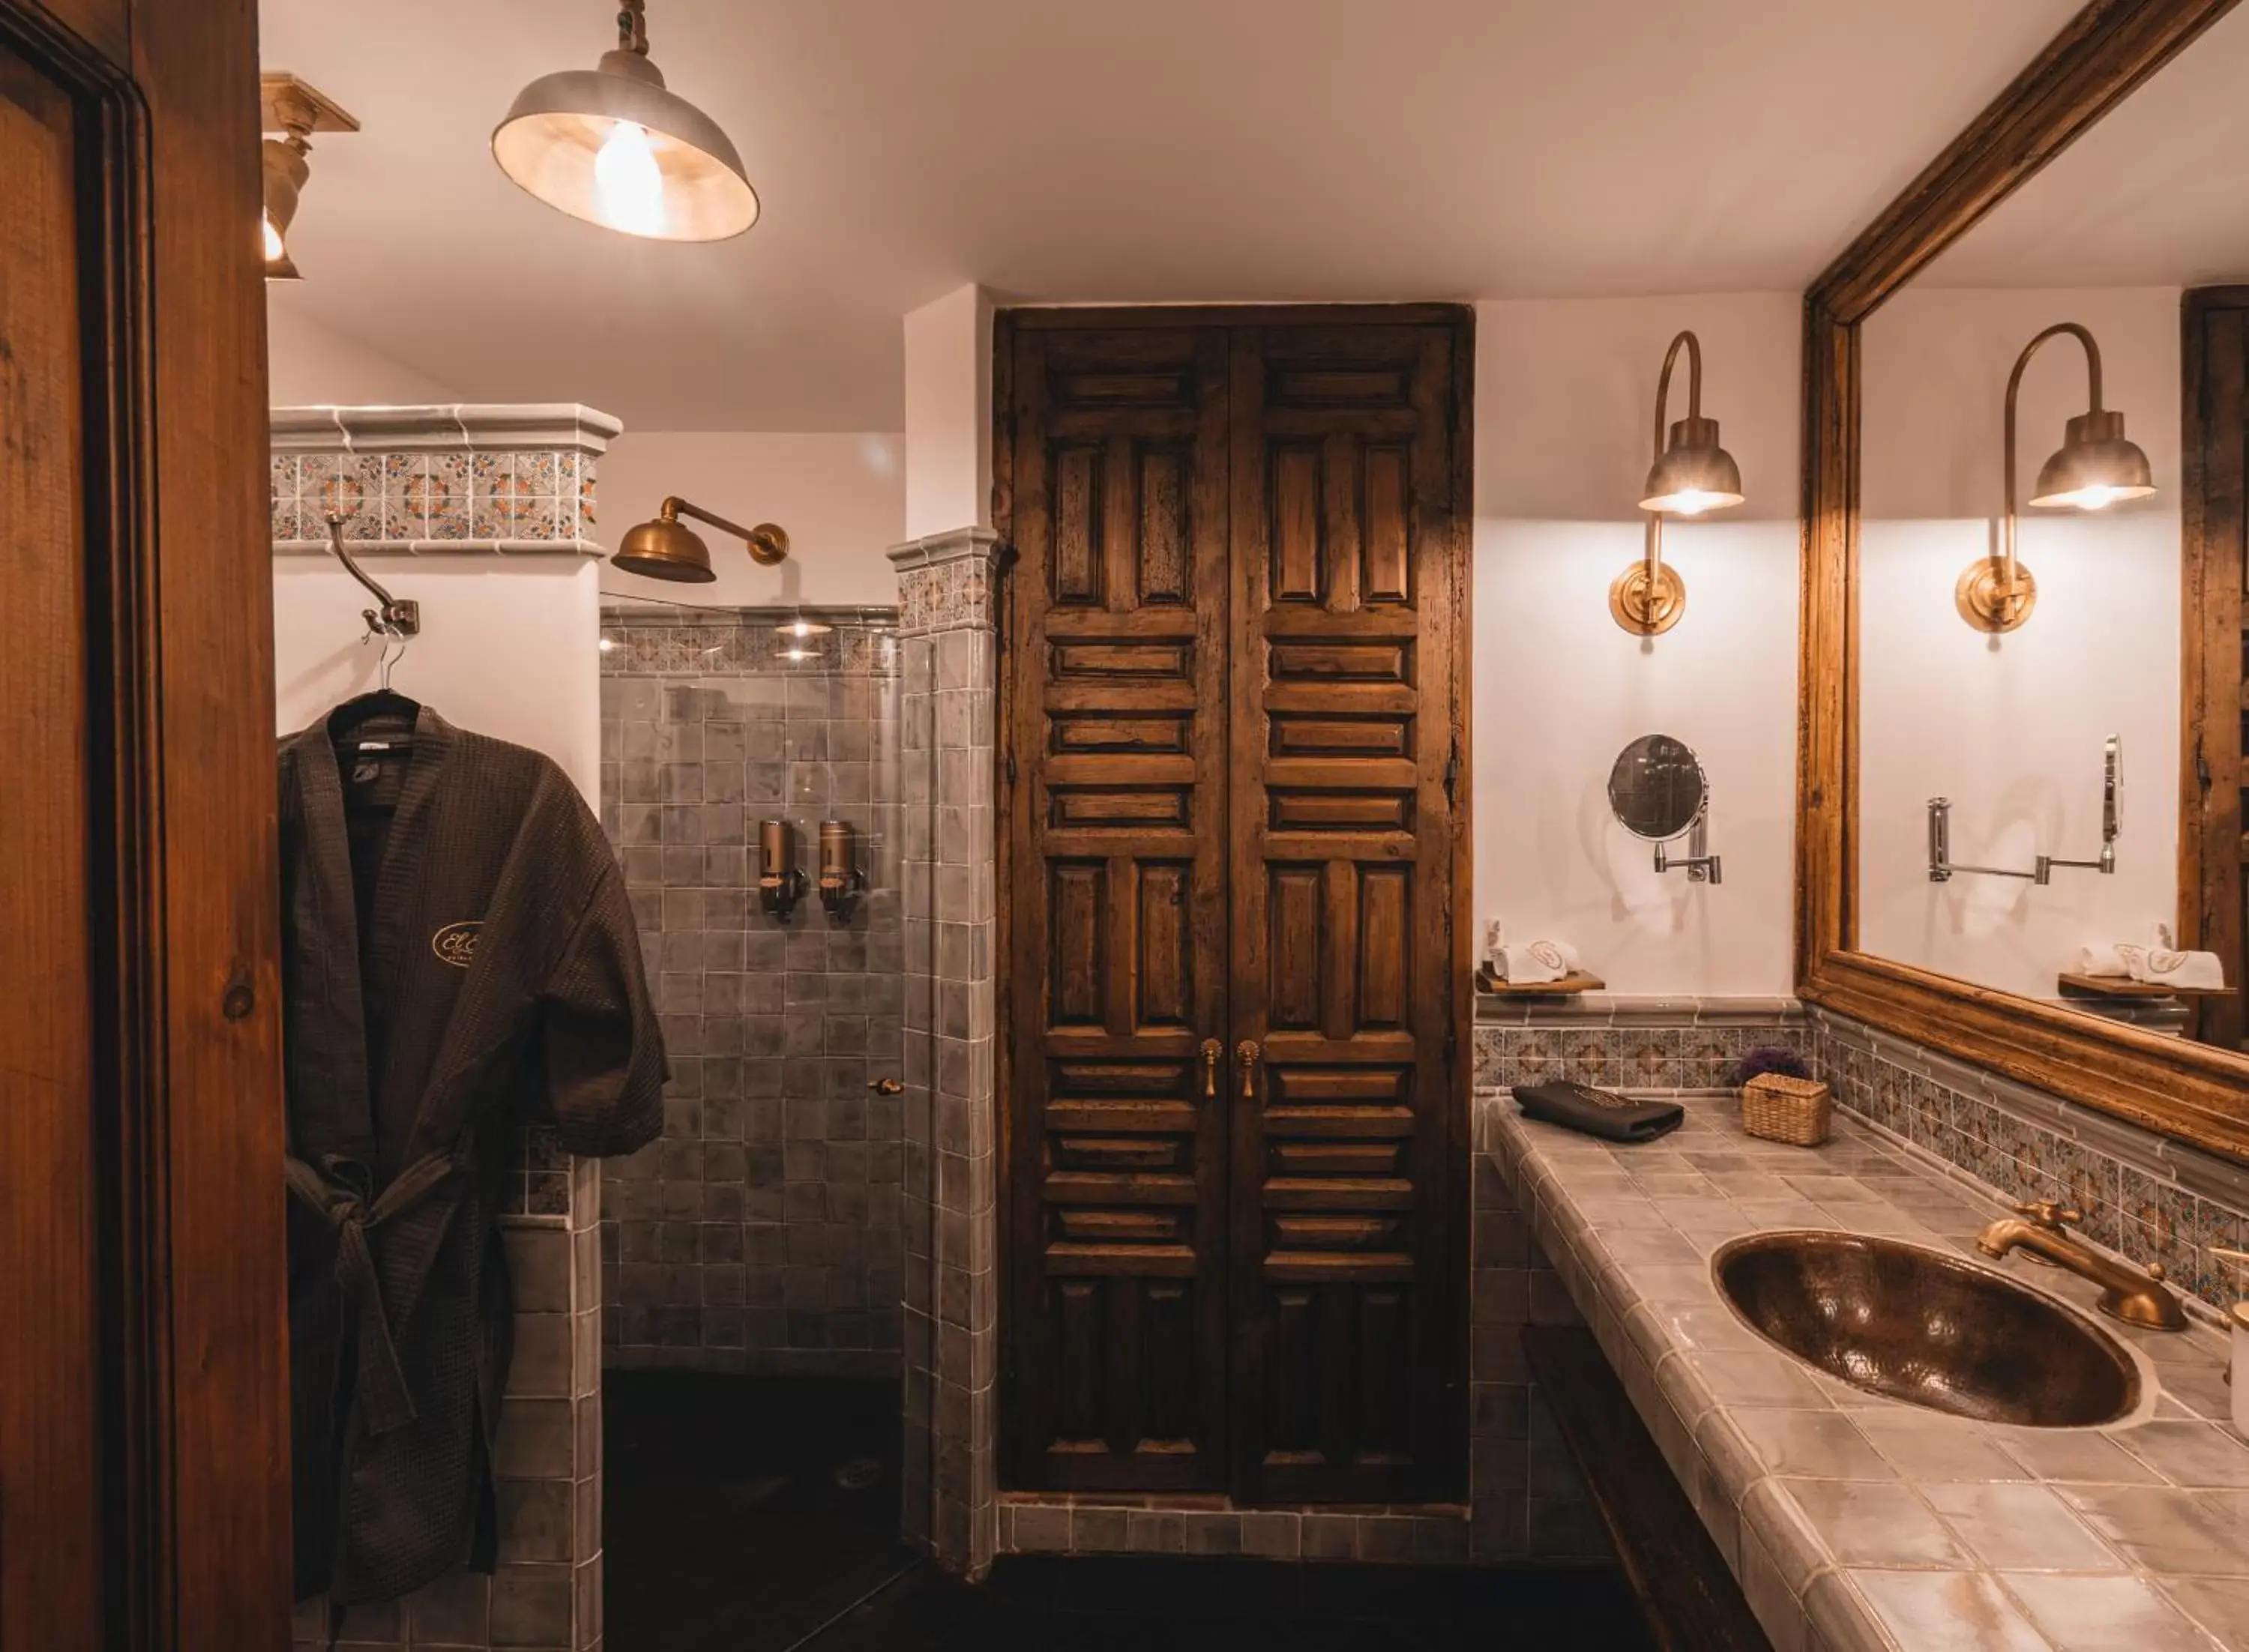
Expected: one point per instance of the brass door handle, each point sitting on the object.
(1246, 1054)
(886, 1086)
(1212, 1049)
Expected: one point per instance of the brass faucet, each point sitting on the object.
(2126, 1293)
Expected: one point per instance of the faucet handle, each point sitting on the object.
(2050, 1214)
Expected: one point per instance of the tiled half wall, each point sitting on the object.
(765, 1230)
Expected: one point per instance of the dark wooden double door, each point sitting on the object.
(1235, 737)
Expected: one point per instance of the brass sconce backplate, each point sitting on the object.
(1984, 600)
(1650, 607)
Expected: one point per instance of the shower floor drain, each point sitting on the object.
(859, 1473)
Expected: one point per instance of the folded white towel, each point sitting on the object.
(2200, 971)
(2104, 961)
(1529, 962)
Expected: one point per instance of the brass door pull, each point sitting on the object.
(886, 1086)
(1212, 1049)
(1246, 1054)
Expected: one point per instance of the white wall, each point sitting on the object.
(509, 648)
(2011, 728)
(840, 496)
(1565, 405)
(312, 365)
(948, 399)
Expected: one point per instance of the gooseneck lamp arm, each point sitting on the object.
(2007, 460)
(1653, 554)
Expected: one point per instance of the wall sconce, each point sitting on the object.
(1690, 475)
(296, 111)
(841, 880)
(612, 145)
(665, 549)
(780, 885)
(2095, 468)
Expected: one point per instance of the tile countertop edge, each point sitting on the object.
(1838, 1554)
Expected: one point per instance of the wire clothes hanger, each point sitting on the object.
(393, 621)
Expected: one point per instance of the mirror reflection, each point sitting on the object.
(2050, 571)
(1657, 787)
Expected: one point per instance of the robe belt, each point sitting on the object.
(336, 1191)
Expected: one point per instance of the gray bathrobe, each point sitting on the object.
(459, 958)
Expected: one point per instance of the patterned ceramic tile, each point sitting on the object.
(447, 481)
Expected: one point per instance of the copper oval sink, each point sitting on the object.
(1926, 1327)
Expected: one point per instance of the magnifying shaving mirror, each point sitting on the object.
(1659, 793)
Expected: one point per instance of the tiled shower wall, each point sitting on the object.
(764, 1230)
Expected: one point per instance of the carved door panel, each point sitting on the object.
(1117, 1144)
(1232, 719)
(1349, 494)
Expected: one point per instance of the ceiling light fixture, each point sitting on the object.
(612, 145)
(1691, 475)
(295, 111)
(2095, 468)
(666, 549)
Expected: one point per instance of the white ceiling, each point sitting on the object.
(2151, 196)
(1137, 150)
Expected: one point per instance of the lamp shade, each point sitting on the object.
(1695, 474)
(2096, 466)
(666, 548)
(614, 146)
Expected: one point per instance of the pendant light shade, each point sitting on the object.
(2096, 465)
(1695, 474)
(614, 147)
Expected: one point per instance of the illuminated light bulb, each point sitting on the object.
(629, 182)
(1692, 502)
(273, 246)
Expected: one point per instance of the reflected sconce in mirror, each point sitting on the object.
(2095, 468)
(666, 548)
(1692, 474)
(1659, 793)
(295, 111)
(780, 882)
(841, 880)
(1942, 866)
(613, 146)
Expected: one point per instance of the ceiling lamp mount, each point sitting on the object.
(665, 548)
(614, 145)
(295, 111)
(1692, 474)
(2095, 468)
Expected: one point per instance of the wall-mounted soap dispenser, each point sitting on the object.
(841, 880)
(781, 883)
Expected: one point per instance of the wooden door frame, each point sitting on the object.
(1006, 323)
(2189, 1092)
(193, 1404)
(2210, 874)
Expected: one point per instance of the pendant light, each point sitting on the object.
(2095, 468)
(1692, 474)
(612, 145)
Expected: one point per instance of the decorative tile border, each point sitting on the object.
(1091, 1524)
(517, 481)
(2148, 1198)
(1641, 1044)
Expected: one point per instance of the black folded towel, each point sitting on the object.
(1614, 1118)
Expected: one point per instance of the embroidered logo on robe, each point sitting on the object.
(456, 944)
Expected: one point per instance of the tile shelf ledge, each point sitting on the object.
(1856, 1523)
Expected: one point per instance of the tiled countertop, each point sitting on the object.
(1855, 1522)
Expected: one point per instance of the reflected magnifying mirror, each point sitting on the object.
(1659, 793)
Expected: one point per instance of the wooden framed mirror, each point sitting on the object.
(1994, 772)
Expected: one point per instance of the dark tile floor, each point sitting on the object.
(760, 1515)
